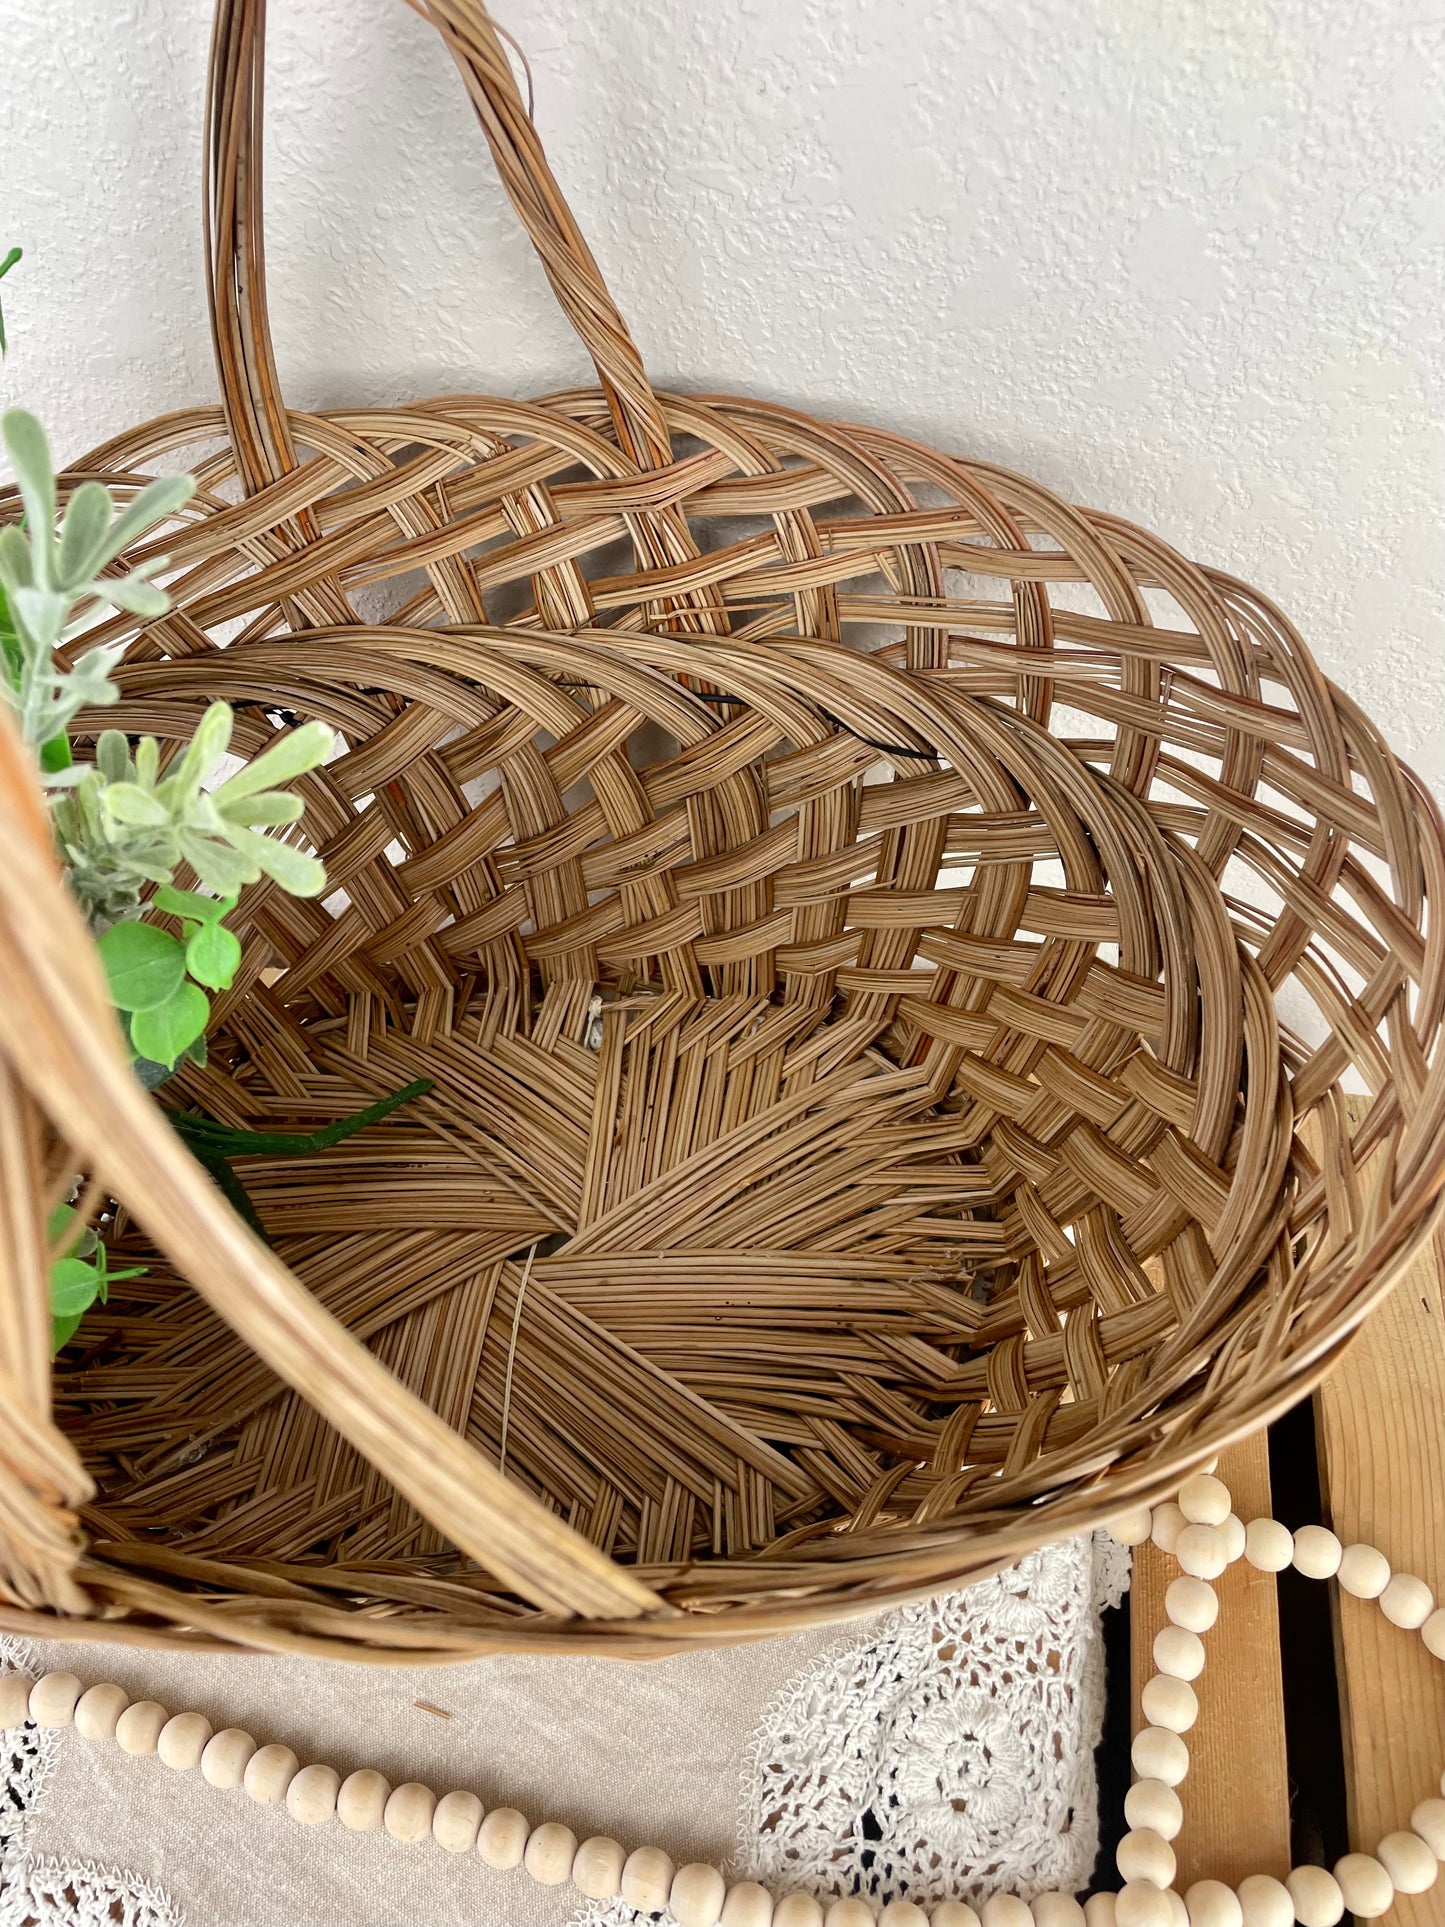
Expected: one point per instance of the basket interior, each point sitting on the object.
(847, 966)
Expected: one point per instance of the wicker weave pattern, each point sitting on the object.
(840, 892)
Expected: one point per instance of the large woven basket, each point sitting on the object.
(890, 948)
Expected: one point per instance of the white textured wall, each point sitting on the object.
(1181, 261)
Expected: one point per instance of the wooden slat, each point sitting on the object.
(1381, 1424)
(1236, 1798)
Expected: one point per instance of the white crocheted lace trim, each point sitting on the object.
(945, 1750)
(38, 1890)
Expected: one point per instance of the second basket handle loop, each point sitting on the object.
(236, 268)
(235, 246)
(476, 46)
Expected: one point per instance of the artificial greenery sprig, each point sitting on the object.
(126, 823)
(50, 570)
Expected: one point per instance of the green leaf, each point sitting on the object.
(144, 966)
(55, 755)
(74, 1286)
(165, 1030)
(15, 571)
(6, 265)
(213, 955)
(190, 903)
(302, 750)
(128, 803)
(225, 1140)
(156, 502)
(29, 454)
(202, 753)
(82, 532)
(62, 1330)
(298, 874)
(266, 811)
(137, 598)
(219, 867)
(112, 756)
(58, 1223)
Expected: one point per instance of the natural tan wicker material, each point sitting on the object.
(841, 893)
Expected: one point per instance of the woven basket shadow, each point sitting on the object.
(890, 948)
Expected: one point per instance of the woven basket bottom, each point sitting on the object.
(698, 1262)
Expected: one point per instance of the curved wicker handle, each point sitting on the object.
(236, 265)
(60, 1051)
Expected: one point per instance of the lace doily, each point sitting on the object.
(39, 1890)
(947, 1748)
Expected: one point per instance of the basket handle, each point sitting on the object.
(235, 257)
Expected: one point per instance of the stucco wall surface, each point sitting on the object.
(1184, 262)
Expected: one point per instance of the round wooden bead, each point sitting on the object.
(902, 1913)
(1209, 1903)
(597, 1872)
(456, 1822)
(1101, 1910)
(1317, 1552)
(225, 1756)
(1316, 1894)
(182, 1741)
(1428, 1820)
(1168, 1522)
(1367, 1888)
(1158, 1754)
(697, 1895)
(502, 1838)
(361, 1802)
(1142, 1904)
(1055, 1910)
(1192, 1604)
(53, 1697)
(647, 1879)
(1204, 1500)
(311, 1796)
(1005, 1910)
(549, 1853)
(849, 1912)
(1433, 1633)
(1178, 1653)
(1364, 1572)
(1201, 1551)
(747, 1904)
(269, 1771)
(98, 1709)
(1231, 1531)
(1169, 1702)
(797, 1910)
(1268, 1546)
(408, 1812)
(1145, 1855)
(1264, 1901)
(1411, 1865)
(14, 1699)
(955, 1913)
(1151, 1804)
(1130, 1529)
(139, 1727)
(1407, 1601)
(1178, 1912)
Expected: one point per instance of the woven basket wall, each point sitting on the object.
(890, 947)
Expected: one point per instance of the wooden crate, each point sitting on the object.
(1371, 1695)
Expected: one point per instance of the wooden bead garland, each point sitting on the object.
(1205, 1536)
